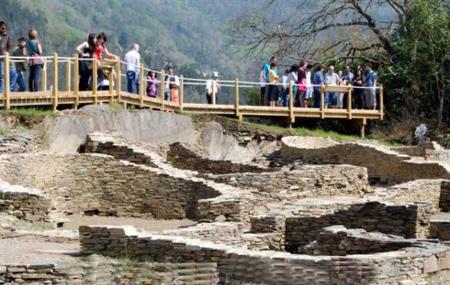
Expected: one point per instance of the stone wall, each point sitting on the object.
(408, 221)
(337, 240)
(100, 270)
(440, 229)
(241, 266)
(444, 199)
(183, 157)
(303, 181)
(384, 166)
(24, 203)
(427, 150)
(99, 184)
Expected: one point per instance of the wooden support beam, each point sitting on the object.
(322, 101)
(381, 103)
(236, 98)
(68, 75)
(214, 92)
(76, 80)
(362, 128)
(349, 104)
(141, 85)
(162, 88)
(6, 83)
(44, 75)
(111, 86)
(181, 102)
(95, 81)
(118, 81)
(55, 82)
(291, 103)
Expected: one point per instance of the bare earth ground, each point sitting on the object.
(147, 225)
(40, 246)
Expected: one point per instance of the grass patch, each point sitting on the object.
(321, 134)
(32, 112)
(116, 107)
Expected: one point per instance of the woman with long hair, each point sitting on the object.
(86, 51)
(34, 49)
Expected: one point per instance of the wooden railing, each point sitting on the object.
(65, 91)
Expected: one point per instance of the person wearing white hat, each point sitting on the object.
(212, 87)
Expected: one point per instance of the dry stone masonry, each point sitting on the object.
(260, 210)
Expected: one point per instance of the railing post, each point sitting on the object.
(44, 76)
(181, 102)
(55, 81)
(236, 99)
(381, 103)
(141, 85)
(76, 80)
(214, 91)
(68, 75)
(162, 81)
(111, 87)
(6, 83)
(291, 103)
(94, 81)
(349, 104)
(119, 81)
(322, 101)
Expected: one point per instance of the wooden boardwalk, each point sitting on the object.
(70, 96)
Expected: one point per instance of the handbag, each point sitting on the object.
(36, 59)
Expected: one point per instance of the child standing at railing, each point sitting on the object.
(152, 84)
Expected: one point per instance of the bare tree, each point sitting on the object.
(330, 30)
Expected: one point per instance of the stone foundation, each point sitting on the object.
(444, 199)
(384, 166)
(337, 240)
(303, 181)
(99, 270)
(241, 266)
(24, 203)
(100, 185)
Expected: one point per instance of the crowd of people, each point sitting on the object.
(274, 87)
(26, 48)
(308, 81)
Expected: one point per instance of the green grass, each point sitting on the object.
(32, 112)
(321, 134)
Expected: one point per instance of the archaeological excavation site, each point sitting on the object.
(105, 195)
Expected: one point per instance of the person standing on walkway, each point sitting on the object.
(18, 68)
(172, 84)
(5, 45)
(358, 93)
(266, 70)
(370, 82)
(133, 59)
(34, 50)
(301, 81)
(318, 80)
(331, 79)
(273, 88)
(212, 87)
(86, 53)
(152, 84)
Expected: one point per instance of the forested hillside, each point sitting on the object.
(190, 34)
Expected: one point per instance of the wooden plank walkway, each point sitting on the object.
(72, 97)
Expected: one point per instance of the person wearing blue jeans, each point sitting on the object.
(133, 59)
(18, 68)
(4, 48)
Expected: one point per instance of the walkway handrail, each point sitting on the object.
(71, 94)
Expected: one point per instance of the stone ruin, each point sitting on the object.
(98, 196)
